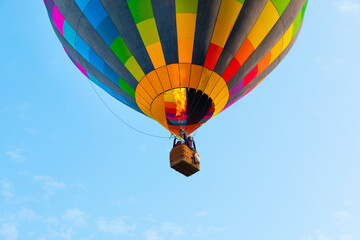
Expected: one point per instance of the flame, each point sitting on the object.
(180, 100)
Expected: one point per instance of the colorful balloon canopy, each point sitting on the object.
(180, 62)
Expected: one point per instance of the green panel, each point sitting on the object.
(296, 24)
(299, 18)
(148, 32)
(121, 50)
(135, 69)
(280, 5)
(241, 1)
(141, 10)
(304, 8)
(186, 6)
(124, 86)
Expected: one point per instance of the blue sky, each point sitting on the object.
(283, 163)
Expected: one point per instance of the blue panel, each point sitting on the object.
(95, 13)
(82, 47)
(107, 31)
(82, 4)
(69, 33)
(95, 60)
(109, 73)
(114, 94)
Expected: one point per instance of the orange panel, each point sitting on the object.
(264, 63)
(158, 111)
(145, 95)
(156, 54)
(244, 52)
(186, 46)
(185, 69)
(174, 74)
(195, 76)
(145, 83)
(155, 82)
(163, 75)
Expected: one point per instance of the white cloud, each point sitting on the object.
(342, 216)
(76, 217)
(9, 231)
(27, 214)
(173, 229)
(321, 236)
(347, 6)
(116, 226)
(152, 234)
(32, 131)
(201, 214)
(16, 155)
(346, 237)
(202, 231)
(49, 183)
(6, 189)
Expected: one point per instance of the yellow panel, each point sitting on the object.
(269, 16)
(257, 34)
(287, 37)
(134, 68)
(205, 76)
(148, 31)
(156, 54)
(169, 96)
(217, 89)
(155, 82)
(220, 105)
(275, 52)
(229, 10)
(221, 33)
(184, 74)
(195, 76)
(174, 74)
(158, 110)
(185, 23)
(145, 83)
(264, 24)
(145, 95)
(164, 77)
(212, 83)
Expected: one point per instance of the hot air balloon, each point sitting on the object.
(179, 62)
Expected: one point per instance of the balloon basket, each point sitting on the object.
(182, 159)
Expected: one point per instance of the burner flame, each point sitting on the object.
(180, 100)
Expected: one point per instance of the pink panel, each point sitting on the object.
(82, 69)
(58, 19)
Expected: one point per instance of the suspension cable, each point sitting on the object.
(117, 116)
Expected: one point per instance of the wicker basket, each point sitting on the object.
(182, 160)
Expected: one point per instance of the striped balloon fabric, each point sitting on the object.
(180, 62)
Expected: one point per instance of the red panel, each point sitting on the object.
(170, 110)
(251, 75)
(213, 56)
(230, 71)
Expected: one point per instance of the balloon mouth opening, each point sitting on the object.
(187, 106)
(182, 96)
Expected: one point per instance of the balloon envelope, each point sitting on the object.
(180, 62)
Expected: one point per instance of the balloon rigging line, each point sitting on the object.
(117, 116)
